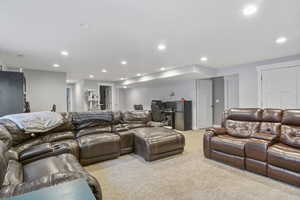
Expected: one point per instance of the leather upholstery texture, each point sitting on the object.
(126, 141)
(98, 147)
(228, 144)
(241, 128)
(244, 114)
(158, 142)
(265, 141)
(30, 162)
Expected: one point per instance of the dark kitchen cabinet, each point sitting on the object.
(11, 93)
(183, 115)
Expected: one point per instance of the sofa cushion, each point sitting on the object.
(270, 128)
(18, 136)
(93, 130)
(241, 129)
(290, 135)
(272, 115)
(257, 149)
(229, 144)
(5, 136)
(143, 116)
(291, 117)
(244, 114)
(97, 145)
(43, 167)
(284, 156)
(53, 137)
(28, 144)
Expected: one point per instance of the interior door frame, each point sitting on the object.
(112, 93)
(197, 103)
(260, 69)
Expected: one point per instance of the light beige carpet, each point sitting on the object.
(188, 176)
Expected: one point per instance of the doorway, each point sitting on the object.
(213, 96)
(105, 97)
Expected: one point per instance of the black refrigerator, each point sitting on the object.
(11, 92)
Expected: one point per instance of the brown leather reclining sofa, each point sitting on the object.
(32, 161)
(264, 141)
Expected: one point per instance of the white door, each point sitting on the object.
(231, 91)
(204, 103)
(280, 88)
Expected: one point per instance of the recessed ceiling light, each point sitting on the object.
(64, 53)
(161, 47)
(83, 25)
(104, 70)
(203, 59)
(91, 76)
(139, 74)
(124, 62)
(281, 40)
(249, 10)
(162, 69)
(56, 65)
(122, 79)
(125, 86)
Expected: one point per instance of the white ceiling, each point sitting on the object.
(131, 30)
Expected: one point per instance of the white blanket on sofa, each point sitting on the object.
(36, 122)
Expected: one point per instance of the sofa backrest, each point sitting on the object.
(242, 122)
(290, 129)
(271, 121)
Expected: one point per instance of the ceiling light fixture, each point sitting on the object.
(122, 79)
(124, 86)
(162, 69)
(56, 65)
(104, 70)
(83, 25)
(124, 62)
(91, 76)
(139, 74)
(203, 59)
(64, 53)
(281, 40)
(161, 47)
(249, 10)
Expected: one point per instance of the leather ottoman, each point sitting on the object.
(98, 147)
(157, 142)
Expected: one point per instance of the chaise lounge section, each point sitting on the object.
(34, 160)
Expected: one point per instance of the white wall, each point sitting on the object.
(160, 91)
(248, 79)
(45, 88)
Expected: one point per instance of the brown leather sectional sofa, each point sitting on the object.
(32, 161)
(264, 141)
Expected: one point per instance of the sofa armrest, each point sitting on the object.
(42, 151)
(210, 132)
(266, 136)
(217, 131)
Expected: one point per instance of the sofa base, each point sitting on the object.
(284, 175)
(88, 161)
(256, 166)
(126, 150)
(232, 160)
